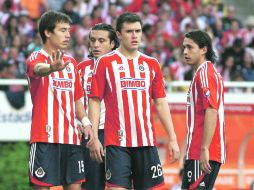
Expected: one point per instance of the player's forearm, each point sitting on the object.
(94, 114)
(165, 117)
(79, 110)
(209, 127)
(42, 69)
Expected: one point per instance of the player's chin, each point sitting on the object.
(64, 45)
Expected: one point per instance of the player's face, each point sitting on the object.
(193, 55)
(100, 43)
(60, 37)
(130, 35)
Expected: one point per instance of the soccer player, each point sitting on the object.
(56, 156)
(128, 81)
(102, 40)
(205, 151)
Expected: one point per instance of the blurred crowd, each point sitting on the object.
(165, 23)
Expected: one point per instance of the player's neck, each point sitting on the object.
(199, 63)
(129, 54)
(48, 48)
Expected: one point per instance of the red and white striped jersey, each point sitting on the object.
(86, 69)
(53, 98)
(128, 87)
(206, 89)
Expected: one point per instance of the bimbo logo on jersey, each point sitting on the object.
(62, 84)
(132, 84)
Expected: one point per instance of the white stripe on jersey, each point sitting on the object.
(140, 107)
(191, 128)
(148, 114)
(109, 81)
(50, 127)
(119, 103)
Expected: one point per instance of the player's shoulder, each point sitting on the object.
(67, 57)
(85, 63)
(148, 58)
(70, 59)
(35, 55)
(108, 57)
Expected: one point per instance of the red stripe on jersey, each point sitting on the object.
(145, 116)
(66, 122)
(126, 114)
(75, 135)
(55, 117)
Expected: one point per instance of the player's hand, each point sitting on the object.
(96, 150)
(56, 61)
(88, 134)
(174, 151)
(204, 161)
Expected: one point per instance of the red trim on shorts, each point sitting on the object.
(39, 183)
(112, 185)
(79, 181)
(157, 186)
(196, 183)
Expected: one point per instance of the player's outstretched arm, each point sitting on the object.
(166, 120)
(56, 64)
(96, 148)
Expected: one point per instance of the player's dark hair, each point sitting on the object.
(49, 20)
(111, 34)
(127, 17)
(202, 39)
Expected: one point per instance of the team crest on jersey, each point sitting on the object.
(121, 68)
(141, 68)
(40, 172)
(68, 68)
(207, 92)
(108, 175)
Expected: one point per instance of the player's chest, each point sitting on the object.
(130, 76)
(63, 80)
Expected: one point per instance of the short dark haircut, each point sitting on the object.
(111, 34)
(127, 17)
(202, 39)
(49, 20)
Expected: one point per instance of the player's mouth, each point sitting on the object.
(96, 51)
(134, 42)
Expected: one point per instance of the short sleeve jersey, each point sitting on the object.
(128, 87)
(206, 90)
(53, 98)
(86, 69)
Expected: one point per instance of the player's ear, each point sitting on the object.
(204, 50)
(47, 33)
(119, 36)
(112, 44)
